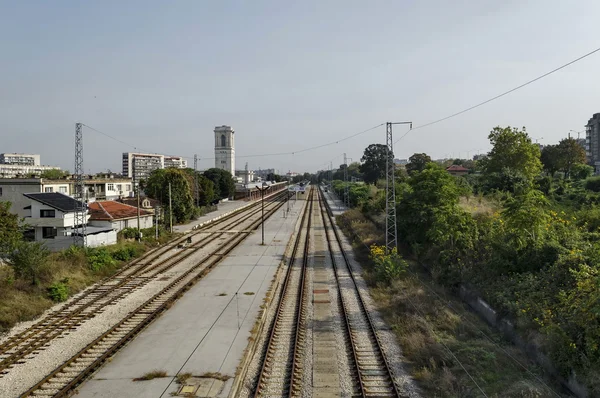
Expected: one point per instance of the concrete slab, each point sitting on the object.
(206, 330)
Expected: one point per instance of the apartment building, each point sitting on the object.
(22, 159)
(175, 161)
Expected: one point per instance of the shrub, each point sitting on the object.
(593, 184)
(388, 267)
(100, 258)
(59, 291)
(28, 259)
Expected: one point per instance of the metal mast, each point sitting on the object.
(391, 235)
(79, 222)
(196, 180)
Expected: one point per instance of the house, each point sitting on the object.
(146, 203)
(457, 170)
(13, 189)
(51, 215)
(117, 216)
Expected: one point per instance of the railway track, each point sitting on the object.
(281, 372)
(23, 346)
(372, 374)
(92, 302)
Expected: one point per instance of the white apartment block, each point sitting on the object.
(19, 170)
(22, 159)
(138, 166)
(175, 161)
(225, 149)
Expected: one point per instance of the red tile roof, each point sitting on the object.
(111, 210)
(456, 167)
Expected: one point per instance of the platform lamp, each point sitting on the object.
(262, 203)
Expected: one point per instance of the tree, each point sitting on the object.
(223, 180)
(417, 162)
(570, 154)
(54, 174)
(206, 188)
(374, 162)
(11, 232)
(274, 177)
(581, 171)
(512, 149)
(157, 187)
(28, 259)
(551, 159)
(433, 195)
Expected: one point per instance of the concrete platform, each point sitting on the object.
(207, 329)
(222, 208)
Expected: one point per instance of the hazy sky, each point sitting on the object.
(161, 74)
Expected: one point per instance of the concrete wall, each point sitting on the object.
(14, 194)
(145, 222)
(102, 239)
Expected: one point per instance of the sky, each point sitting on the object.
(160, 75)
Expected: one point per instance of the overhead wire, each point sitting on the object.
(499, 95)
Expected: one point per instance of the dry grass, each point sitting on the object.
(478, 205)
(155, 374)
(215, 375)
(439, 335)
(182, 377)
(249, 293)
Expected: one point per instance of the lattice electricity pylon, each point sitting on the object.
(391, 230)
(196, 180)
(79, 221)
(346, 185)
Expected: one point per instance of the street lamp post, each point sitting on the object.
(262, 203)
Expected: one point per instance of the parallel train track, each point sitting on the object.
(281, 371)
(20, 347)
(371, 367)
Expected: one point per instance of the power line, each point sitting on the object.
(250, 156)
(499, 95)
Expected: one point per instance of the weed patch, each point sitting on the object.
(155, 374)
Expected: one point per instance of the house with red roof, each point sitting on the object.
(118, 216)
(457, 170)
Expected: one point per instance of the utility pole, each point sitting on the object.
(196, 180)
(262, 200)
(156, 214)
(170, 211)
(79, 221)
(346, 186)
(391, 230)
(139, 232)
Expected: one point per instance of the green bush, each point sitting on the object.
(99, 258)
(59, 291)
(593, 184)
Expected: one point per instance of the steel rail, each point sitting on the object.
(286, 292)
(118, 335)
(363, 310)
(57, 323)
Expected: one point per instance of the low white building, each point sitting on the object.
(51, 217)
(13, 189)
(118, 216)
